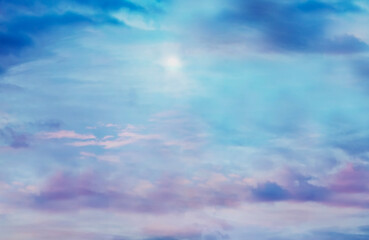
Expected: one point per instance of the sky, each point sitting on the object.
(184, 120)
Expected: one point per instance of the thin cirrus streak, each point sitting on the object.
(184, 120)
(66, 134)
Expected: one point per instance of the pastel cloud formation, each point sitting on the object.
(66, 134)
(184, 120)
(70, 192)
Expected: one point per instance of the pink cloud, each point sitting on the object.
(351, 179)
(159, 230)
(176, 194)
(66, 134)
(124, 138)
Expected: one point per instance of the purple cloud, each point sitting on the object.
(13, 138)
(351, 179)
(90, 190)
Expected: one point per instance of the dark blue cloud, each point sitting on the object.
(20, 32)
(23, 21)
(304, 191)
(299, 190)
(290, 26)
(270, 191)
(13, 138)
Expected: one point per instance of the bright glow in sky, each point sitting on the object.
(172, 63)
(184, 120)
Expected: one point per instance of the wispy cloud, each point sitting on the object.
(66, 134)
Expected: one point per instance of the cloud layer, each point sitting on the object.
(259, 131)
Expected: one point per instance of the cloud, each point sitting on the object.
(181, 137)
(270, 191)
(297, 188)
(351, 179)
(295, 27)
(19, 32)
(24, 22)
(300, 188)
(66, 134)
(305, 191)
(64, 191)
(71, 191)
(123, 139)
(13, 138)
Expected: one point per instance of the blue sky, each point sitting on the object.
(184, 120)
